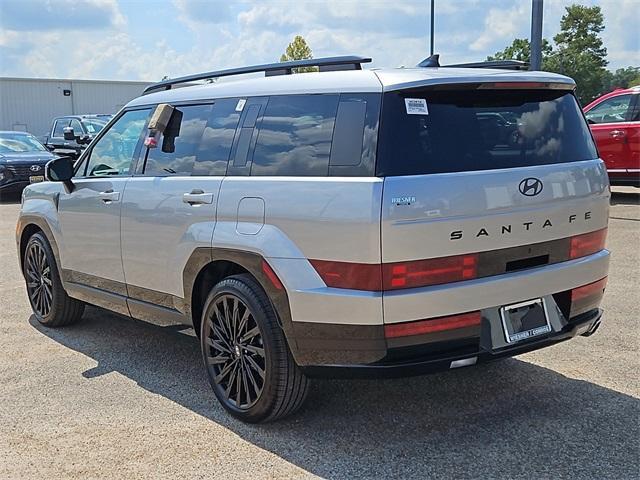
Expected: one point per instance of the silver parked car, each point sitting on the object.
(340, 222)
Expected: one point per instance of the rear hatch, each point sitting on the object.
(483, 179)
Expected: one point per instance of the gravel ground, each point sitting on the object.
(117, 398)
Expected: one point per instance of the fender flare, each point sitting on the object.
(23, 222)
(250, 261)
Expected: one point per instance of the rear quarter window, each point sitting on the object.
(295, 136)
(469, 130)
(316, 135)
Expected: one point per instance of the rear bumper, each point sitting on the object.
(585, 325)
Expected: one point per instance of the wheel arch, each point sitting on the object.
(207, 266)
(26, 228)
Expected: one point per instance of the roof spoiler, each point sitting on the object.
(433, 61)
(327, 64)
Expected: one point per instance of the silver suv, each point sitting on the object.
(339, 222)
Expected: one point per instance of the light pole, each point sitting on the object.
(536, 34)
(432, 13)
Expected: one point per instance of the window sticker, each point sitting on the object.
(416, 106)
(240, 104)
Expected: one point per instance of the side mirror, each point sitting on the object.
(60, 170)
(69, 134)
(49, 147)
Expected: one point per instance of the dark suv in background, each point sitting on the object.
(22, 161)
(81, 127)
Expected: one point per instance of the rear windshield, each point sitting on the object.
(440, 131)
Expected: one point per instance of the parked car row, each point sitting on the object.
(23, 157)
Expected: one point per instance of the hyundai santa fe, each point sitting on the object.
(344, 222)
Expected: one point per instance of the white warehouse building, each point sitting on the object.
(30, 104)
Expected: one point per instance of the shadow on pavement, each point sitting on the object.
(625, 198)
(510, 419)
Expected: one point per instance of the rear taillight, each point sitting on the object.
(589, 290)
(432, 325)
(394, 276)
(422, 273)
(586, 298)
(587, 243)
(356, 276)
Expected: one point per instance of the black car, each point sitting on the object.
(22, 160)
(83, 129)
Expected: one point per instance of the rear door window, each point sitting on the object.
(295, 136)
(217, 138)
(178, 146)
(441, 131)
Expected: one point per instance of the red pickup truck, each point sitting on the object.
(614, 119)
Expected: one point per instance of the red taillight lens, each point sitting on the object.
(588, 243)
(432, 325)
(434, 271)
(595, 288)
(356, 276)
(394, 276)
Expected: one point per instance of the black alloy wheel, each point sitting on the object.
(50, 303)
(39, 282)
(235, 351)
(245, 352)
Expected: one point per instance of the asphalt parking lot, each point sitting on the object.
(117, 398)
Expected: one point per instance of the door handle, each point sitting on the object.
(197, 197)
(617, 133)
(109, 196)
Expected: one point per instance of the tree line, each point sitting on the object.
(578, 52)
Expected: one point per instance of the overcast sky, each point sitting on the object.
(145, 40)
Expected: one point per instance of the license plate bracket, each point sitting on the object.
(525, 320)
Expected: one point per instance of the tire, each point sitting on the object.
(50, 303)
(240, 337)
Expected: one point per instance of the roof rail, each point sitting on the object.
(347, 62)
(500, 64)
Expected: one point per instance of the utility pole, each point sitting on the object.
(432, 13)
(536, 34)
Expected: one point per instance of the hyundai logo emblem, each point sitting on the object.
(35, 168)
(530, 186)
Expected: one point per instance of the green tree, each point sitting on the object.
(520, 49)
(298, 50)
(621, 78)
(580, 52)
